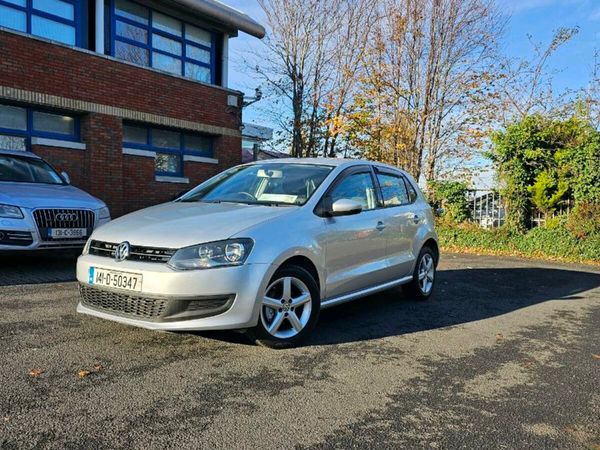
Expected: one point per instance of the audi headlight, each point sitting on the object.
(232, 252)
(103, 213)
(11, 212)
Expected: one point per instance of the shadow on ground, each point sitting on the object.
(461, 296)
(37, 268)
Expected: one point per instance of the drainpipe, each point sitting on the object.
(99, 26)
(224, 61)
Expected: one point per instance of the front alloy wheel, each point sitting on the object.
(289, 308)
(286, 307)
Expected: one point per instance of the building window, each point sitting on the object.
(18, 125)
(52, 19)
(169, 146)
(149, 38)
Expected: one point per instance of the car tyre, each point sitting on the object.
(423, 279)
(289, 309)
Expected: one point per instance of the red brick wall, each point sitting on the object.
(142, 190)
(65, 159)
(124, 182)
(30, 64)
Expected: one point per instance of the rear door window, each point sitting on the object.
(393, 190)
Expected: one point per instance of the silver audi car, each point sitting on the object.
(263, 247)
(40, 210)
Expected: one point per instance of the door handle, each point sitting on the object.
(380, 226)
(416, 219)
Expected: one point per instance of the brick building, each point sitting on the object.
(129, 98)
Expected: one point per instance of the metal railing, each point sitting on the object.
(487, 209)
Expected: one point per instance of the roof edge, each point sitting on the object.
(226, 14)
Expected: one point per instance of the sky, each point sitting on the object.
(539, 18)
(571, 64)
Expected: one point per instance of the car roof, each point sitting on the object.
(333, 162)
(19, 153)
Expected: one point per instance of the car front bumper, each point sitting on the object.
(23, 235)
(209, 299)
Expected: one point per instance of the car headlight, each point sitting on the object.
(11, 212)
(104, 213)
(232, 252)
(86, 248)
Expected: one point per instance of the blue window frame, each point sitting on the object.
(169, 146)
(150, 38)
(59, 20)
(19, 124)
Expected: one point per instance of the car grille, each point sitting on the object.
(136, 252)
(130, 305)
(19, 238)
(63, 218)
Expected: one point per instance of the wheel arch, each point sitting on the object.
(307, 264)
(433, 245)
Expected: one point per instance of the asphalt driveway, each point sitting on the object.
(506, 354)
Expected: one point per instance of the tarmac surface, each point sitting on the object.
(505, 354)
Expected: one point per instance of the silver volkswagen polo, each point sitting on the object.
(39, 209)
(263, 247)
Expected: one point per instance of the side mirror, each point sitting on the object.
(66, 177)
(345, 207)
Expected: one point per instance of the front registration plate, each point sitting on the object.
(115, 279)
(67, 233)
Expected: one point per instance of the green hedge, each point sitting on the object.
(538, 242)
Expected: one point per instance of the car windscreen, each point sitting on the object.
(27, 170)
(271, 183)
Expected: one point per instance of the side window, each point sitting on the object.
(412, 194)
(358, 187)
(393, 189)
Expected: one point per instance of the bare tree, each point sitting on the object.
(591, 94)
(429, 58)
(523, 86)
(312, 53)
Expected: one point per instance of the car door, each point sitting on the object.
(402, 218)
(355, 245)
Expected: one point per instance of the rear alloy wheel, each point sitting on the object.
(423, 280)
(289, 309)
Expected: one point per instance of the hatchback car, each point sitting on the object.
(40, 210)
(263, 247)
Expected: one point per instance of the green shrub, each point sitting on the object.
(542, 161)
(584, 220)
(556, 222)
(547, 191)
(539, 242)
(452, 197)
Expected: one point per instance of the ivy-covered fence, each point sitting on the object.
(549, 202)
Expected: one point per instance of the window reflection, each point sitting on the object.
(12, 143)
(152, 38)
(132, 53)
(167, 163)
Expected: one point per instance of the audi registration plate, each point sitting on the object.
(67, 233)
(115, 279)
